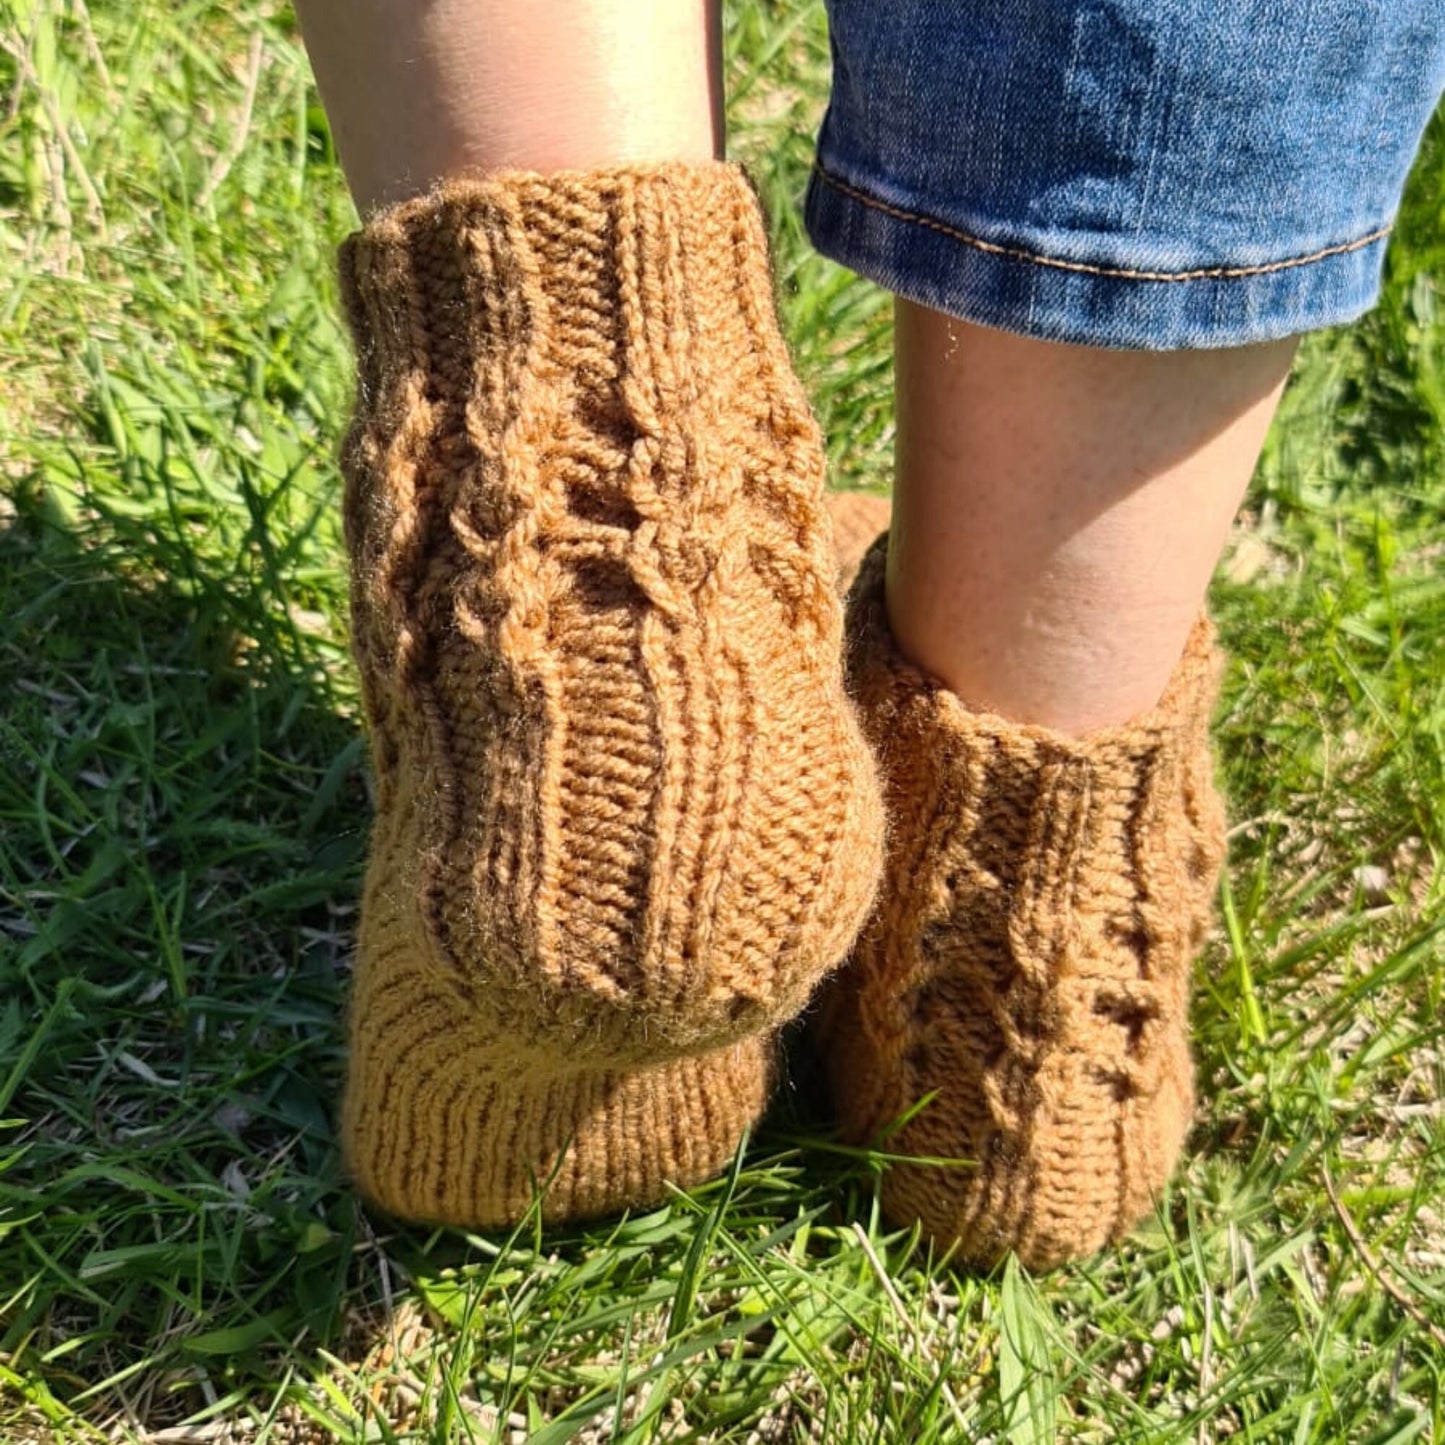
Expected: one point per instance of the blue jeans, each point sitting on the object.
(1128, 173)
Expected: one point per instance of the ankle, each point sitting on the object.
(1073, 657)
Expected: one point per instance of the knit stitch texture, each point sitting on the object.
(1029, 961)
(625, 815)
(857, 518)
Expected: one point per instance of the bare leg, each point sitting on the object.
(1059, 511)
(421, 90)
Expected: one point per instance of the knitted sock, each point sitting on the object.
(857, 519)
(1029, 961)
(625, 816)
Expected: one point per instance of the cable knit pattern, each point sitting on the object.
(1029, 962)
(626, 819)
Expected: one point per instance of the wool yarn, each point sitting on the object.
(857, 518)
(625, 816)
(1028, 964)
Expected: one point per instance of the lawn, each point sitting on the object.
(183, 815)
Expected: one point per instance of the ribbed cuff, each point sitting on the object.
(647, 280)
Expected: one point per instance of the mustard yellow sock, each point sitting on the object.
(1029, 960)
(858, 518)
(625, 816)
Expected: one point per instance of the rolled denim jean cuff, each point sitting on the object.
(1125, 173)
(1051, 298)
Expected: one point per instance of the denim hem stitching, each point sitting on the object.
(1017, 253)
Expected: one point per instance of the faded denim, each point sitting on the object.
(1125, 173)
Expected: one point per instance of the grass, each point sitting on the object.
(183, 810)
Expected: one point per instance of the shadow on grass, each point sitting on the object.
(184, 811)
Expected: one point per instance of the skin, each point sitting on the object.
(418, 91)
(1058, 510)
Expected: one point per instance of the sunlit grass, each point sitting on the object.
(183, 810)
